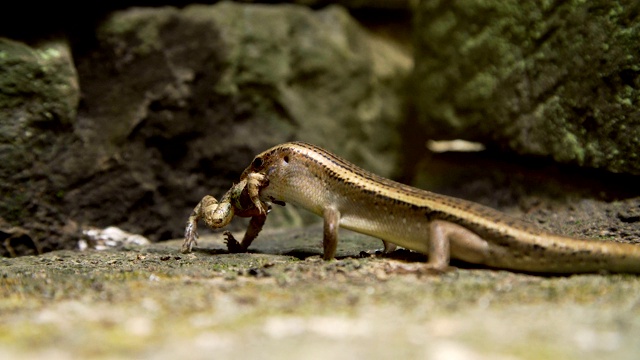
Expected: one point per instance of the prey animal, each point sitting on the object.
(241, 200)
(441, 227)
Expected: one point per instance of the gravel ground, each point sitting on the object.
(282, 302)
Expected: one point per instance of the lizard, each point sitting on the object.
(440, 226)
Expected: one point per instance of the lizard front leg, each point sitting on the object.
(255, 182)
(388, 247)
(255, 226)
(330, 235)
(248, 204)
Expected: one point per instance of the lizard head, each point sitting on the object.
(269, 173)
(271, 162)
(290, 172)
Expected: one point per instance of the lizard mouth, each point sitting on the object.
(277, 202)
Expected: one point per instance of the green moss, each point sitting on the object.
(574, 148)
(516, 75)
(145, 26)
(13, 207)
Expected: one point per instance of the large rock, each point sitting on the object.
(39, 96)
(181, 100)
(176, 102)
(555, 79)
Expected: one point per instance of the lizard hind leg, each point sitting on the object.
(447, 239)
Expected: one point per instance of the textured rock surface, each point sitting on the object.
(555, 78)
(38, 100)
(185, 98)
(176, 102)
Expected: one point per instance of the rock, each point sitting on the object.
(176, 102)
(181, 100)
(39, 96)
(556, 79)
(39, 83)
(111, 237)
(264, 73)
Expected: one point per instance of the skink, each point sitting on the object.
(440, 226)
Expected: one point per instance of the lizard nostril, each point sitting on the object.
(286, 159)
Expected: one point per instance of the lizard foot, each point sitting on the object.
(434, 270)
(419, 270)
(233, 246)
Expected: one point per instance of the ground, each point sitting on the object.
(281, 301)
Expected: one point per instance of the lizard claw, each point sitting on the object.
(262, 208)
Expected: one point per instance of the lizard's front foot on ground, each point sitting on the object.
(233, 246)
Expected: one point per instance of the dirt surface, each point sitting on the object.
(281, 301)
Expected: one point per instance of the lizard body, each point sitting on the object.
(440, 226)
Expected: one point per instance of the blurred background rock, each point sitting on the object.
(126, 113)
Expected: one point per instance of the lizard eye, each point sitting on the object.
(257, 163)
